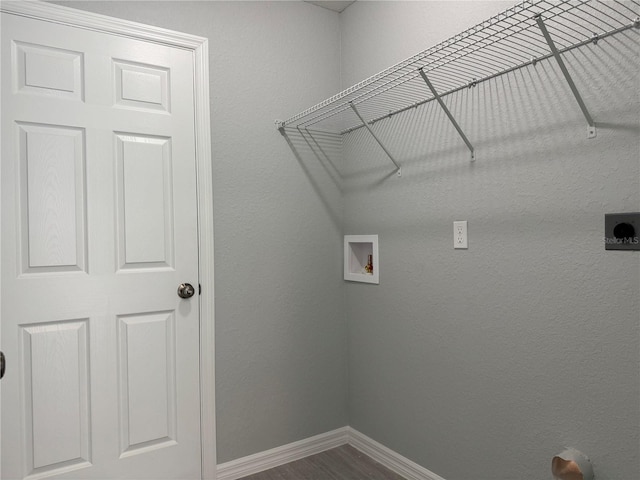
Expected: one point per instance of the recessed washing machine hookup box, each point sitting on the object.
(361, 261)
(622, 231)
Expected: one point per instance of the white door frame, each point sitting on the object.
(199, 48)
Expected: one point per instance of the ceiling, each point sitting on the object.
(335, 5)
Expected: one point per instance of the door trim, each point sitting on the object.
(200, 51)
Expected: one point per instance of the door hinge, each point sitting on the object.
(2, 364)
(199, 289)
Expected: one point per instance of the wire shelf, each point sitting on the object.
(501, 44)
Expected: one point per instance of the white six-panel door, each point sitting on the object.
(99, 227)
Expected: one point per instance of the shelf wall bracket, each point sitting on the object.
(364, 122)
(446, 110)
(591, 127)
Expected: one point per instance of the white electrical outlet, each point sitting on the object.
(460, 234)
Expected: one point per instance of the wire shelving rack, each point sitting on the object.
(529, 32)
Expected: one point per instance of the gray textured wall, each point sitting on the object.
(482, 364)
(280, 326)
(477, 364)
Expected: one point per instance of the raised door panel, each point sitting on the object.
(46, 70)
(52, 198)
(145, 213)
(147, 382)
(55, 376)
(142, 86)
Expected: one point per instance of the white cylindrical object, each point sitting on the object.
(571, 465)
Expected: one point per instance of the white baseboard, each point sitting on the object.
(262, 461)
(390, 459)
(279, 456)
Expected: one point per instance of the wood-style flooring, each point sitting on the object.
(341, 463)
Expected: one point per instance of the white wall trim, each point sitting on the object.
(390, 459)
(199, 47)
(100, 23)
(275, 457)
(259, 462)
(204, 169)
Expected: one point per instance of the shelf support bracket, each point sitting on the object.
(591, 128)
(446, 110)
(364, 122)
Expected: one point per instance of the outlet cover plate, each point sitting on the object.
(460, 239)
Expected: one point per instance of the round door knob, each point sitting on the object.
(186, 290)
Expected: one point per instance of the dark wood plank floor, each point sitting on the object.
(341, 463)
